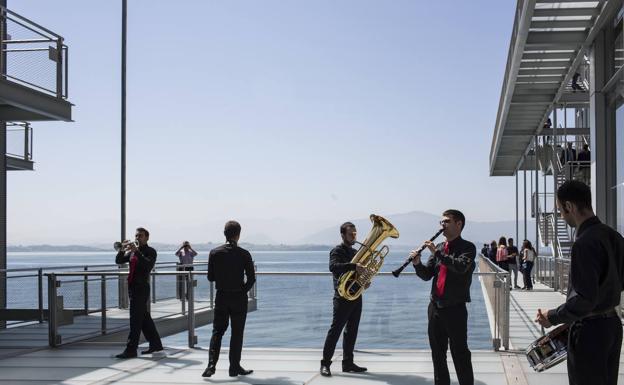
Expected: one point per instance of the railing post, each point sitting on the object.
(53, 337)
(190, 291)
(40, 293)
(103, 304)
(59, 67)
(184, 296)
(26, 126)
(86, 291)
(506, 291)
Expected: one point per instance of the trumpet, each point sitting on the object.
(410, 259)
(125, 245)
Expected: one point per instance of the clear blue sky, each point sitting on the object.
(282, 114)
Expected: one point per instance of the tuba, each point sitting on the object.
(351, 285)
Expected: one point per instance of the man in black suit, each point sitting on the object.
(594, 288)
(142, 260)
(450, 265)
(346, 313)
(226, 266)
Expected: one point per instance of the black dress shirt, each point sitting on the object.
(460, 263)
(226, 266)
(340, 262)
(596, 273)
(146, 258)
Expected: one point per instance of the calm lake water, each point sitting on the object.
(293, 311)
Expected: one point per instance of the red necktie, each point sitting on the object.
(442, 275)
(133, 262)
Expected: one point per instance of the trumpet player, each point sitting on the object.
(142, 259)
(346, 314)
(450, 265)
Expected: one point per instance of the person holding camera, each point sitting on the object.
(186, 254)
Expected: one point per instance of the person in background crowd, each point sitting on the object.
(512, 261)
(528, 259)
(484, 250)
(492, 252)
(584, 169)
(501, 255)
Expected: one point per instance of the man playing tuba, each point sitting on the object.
(346, 313)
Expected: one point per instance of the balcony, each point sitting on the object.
(34, 63)
(19, 145)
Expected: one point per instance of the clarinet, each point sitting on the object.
(410, 259)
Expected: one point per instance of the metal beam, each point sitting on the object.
(561, 24)
(560, 64)
(18, 164)
(548, 55)
(31, 100)
(565, 12)
(543, 71)
(539, 37)
(533, 78)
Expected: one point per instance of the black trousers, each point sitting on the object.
(346, 316)
(594, 351)
(140, 318)
(526, 274)
(450, 324)
(228, 306)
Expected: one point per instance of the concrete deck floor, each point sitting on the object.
(93, 363)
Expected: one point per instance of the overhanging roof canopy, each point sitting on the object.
(548, 43)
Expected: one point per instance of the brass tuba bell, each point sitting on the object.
(351, 285)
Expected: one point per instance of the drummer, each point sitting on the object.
(595, 283)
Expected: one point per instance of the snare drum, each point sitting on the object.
(549, 350)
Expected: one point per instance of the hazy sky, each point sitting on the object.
(286, 115)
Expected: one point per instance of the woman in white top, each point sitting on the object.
(528, 259)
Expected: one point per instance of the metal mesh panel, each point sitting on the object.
(33, 56)
(22, 289)
(34, 67)
(71, 290)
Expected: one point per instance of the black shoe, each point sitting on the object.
(210, 370)
(351, 367)
(239, 372)
(152, 350)
(126, 354)
(325, 372)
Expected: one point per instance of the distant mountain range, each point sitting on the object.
(414, 227)
(417, 226)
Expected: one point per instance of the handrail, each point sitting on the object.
(497, 293)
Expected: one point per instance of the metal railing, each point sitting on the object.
(496, 284)
(60, 285)
(553, 272)
(19, 140)
(87, 295)
(33, 55)
(24, 309)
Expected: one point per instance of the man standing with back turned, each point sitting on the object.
(226, 266)
(451, 265)
(594, 287)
